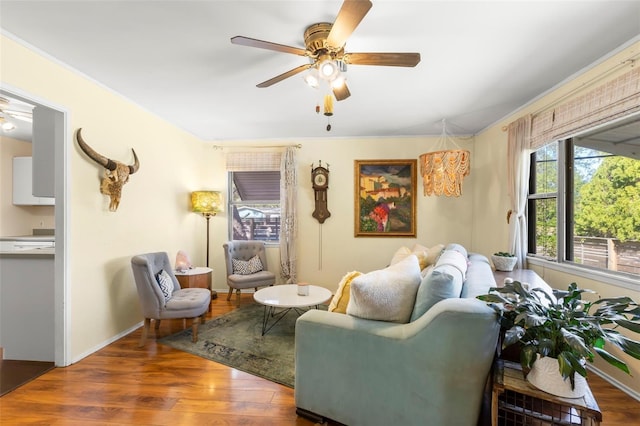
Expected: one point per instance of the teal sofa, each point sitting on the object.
(429, 371)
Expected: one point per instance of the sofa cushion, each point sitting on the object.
(400, 254)
(426, 256)
(247, 267)
(386, 294)
(341, 298)
(443, 282)
(479, 276)
(456, 259)
(457, 247)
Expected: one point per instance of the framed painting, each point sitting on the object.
(385, 198)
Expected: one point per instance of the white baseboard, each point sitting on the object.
(624, 388)
(106, 342)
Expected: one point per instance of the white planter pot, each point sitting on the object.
(545, 375)
(504, 263)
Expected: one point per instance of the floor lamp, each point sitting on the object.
(208, 203)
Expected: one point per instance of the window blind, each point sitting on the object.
(253, 161)
(615, 99)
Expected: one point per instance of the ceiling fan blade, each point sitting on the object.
(386, 59)
(350, 15)
(252, 42)
(341, 93)
(282, 76)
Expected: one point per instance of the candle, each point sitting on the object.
(303, 289)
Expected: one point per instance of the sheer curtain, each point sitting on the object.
(519, 160)
(288, 215)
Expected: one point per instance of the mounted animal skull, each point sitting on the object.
(116, 174)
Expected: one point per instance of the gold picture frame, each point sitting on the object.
(385, 201)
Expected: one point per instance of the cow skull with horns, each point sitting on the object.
(116, 174)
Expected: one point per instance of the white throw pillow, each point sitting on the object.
(455, 259)
(247, 267)
(386, 294)
(399, 255)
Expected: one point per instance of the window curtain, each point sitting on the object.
(519, 160)
(288, 215)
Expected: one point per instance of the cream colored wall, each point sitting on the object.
(18, 220)
(490, 231)
(153, 214)
(327, 252)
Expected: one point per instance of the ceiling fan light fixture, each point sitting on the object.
(329, 69)
(339, 81)
(312, 78)
(7, 127)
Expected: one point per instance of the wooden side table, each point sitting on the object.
(197, 277)
(516, 402)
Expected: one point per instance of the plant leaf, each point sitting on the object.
(513, 335)
(628, 346)
(545, 294)
(577, 364)
(527, 356)
(612, 360)
(629, 325)
(615, 300)
(545, 347)
(564, 365)
(533, 320)
(493, 298)
(575, 342)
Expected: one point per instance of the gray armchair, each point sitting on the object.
(192, 303)
(244, 251)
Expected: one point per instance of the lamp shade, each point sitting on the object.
(206, 202)
(443, 171)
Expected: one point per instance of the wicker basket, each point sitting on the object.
(504, 263)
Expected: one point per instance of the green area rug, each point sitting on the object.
(235, 339)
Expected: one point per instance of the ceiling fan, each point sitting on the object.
(7, 115)
(325, 50)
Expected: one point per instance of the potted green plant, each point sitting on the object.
(504, 261)
(565, 329)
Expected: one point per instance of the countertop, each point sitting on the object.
(29, 238)
(42, 252)
(9, 245)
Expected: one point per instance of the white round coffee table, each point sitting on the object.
(286, 297)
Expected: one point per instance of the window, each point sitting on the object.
(584, 202)
(255, 205)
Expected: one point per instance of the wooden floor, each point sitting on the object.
(157, 385)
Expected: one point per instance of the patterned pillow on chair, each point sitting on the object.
(166, 284)
(247, 267)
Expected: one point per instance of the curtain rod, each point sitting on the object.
(299, 145)
(631, 60)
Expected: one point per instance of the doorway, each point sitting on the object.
(52, 121)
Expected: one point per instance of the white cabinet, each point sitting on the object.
(23, 184)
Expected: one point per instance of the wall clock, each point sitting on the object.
(320, 182)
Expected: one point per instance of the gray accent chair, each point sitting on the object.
(192, 303)
(245, 250)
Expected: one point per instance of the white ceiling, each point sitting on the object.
(481, 60)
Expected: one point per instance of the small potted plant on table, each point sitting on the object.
(558, 333)
(504, 261)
